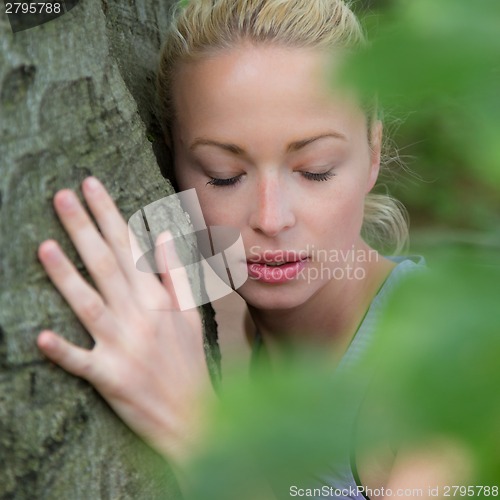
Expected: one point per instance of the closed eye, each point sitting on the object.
(322, 176)
(232, 181)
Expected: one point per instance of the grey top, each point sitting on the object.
(341, 475)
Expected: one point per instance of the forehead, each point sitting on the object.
(237, 89)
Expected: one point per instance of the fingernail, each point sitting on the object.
(50, 251)
(164, 237)
(46, 340)
(92, 184)
(67, 199)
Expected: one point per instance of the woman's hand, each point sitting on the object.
(148, 360)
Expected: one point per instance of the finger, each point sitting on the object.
(82, 298)
(173, 273)
(116, 232)
(72, 358)
(161, 258)
(96, 255)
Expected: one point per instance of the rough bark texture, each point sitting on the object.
(75, 99)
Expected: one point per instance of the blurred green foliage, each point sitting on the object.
(440, 345)
(276, 429)
(432, 376)
(436, 357)
(435, 66)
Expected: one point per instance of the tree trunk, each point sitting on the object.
(76, 98)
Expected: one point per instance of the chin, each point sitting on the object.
(274, 297)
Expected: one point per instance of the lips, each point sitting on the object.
(276, 267)
(278, 257)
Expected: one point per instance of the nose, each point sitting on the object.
(272, 208)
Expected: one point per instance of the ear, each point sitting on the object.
(375, 154)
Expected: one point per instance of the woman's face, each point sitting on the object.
(273, 151)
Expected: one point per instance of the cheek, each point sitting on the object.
(214, 213)
(353, 213)
(219, 210)
(340, 216)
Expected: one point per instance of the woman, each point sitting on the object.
(254, 127)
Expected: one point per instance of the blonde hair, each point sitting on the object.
(202, 27)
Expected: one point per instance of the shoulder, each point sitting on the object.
(404, 265)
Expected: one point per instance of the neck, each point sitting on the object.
(329, 319)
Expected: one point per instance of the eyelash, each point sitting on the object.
(323, 176)
(214, 181)
(232, 181)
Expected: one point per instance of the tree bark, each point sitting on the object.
(76, 99)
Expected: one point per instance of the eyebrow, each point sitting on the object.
(232, 148)
(295, 146)
(292, 147)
